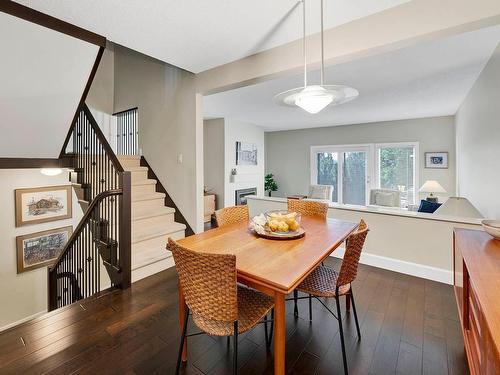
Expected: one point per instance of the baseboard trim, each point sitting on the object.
(401, 266)
(24, 320)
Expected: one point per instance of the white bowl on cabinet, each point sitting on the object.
(492, 227)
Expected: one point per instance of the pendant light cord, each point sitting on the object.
(322, 47)
(304, 40)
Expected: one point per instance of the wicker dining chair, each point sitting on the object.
(218, 305)
(326, 282)
(308, 207)
(231, 215)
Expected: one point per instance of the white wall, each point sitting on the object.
(288, 152)
(248, 175)
(42, 77)
(24, 295)
(168, 125)
(214, 158)
(478, 146)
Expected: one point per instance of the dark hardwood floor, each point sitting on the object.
(408, 325)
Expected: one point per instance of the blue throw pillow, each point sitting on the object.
(428, 207)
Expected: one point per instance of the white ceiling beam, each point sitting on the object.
(398, 27)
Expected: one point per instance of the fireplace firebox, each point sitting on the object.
(241, 194)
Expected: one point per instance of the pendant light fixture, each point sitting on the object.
(314, 98)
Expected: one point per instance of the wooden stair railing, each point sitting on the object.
(102, 239)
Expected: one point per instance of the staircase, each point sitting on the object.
(152, 222)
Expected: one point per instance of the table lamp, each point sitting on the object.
(432, 187)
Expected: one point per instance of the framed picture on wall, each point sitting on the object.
(437, 160)
(40, 249)
(43, 204)
(246, 153)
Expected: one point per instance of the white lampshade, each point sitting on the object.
(432, 186)
(313, 99)
(458, 206)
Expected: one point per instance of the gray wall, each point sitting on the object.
(167, 104)
(213, 150)
(478, 136)
(288, 152)
(101, 92)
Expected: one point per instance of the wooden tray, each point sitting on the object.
(275, 236)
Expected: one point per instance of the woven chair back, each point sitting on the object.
(231, 215)
(208, 282)
(308, 208)
(349, 267)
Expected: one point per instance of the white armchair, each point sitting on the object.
(385, 197)
(323, 192)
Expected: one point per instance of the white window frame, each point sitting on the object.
(416, 163)
(372, 178)
(367, 148)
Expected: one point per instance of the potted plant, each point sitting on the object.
(269, 184)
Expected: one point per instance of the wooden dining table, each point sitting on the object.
(274, 267)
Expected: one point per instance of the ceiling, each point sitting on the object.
(424, 80)
(197, 35)
(43, 76)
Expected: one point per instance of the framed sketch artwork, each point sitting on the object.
(43, 204)
(437, 160)
(246, 153)
(36, 250)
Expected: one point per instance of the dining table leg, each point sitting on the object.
(182, 314)
(279, 333)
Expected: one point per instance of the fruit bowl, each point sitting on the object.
(283, 222)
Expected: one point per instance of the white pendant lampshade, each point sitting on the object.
(314, 98)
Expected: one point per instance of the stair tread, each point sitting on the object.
(147, 181)
(129, 157)
(146, 197)
(143, 233)
(133, 168)
(144, 213)
(142, 260)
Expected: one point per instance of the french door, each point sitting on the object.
(347, 168)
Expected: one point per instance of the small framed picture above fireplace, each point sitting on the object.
(246, 153)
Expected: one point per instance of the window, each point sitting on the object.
(349, 168)
(344, 167)
(396, 170)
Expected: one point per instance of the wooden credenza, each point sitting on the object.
(476, 269)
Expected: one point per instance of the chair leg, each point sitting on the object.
(310, 309)
(342, 343)
(265, 332)
(235, 348)
(272, 327)
(228, 340)
(183, 337)
(355, 314)
(295, 307)
(348, 302)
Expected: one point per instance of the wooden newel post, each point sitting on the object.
(52, 290)
(125, 230)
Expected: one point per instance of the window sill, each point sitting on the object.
(393, 211)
